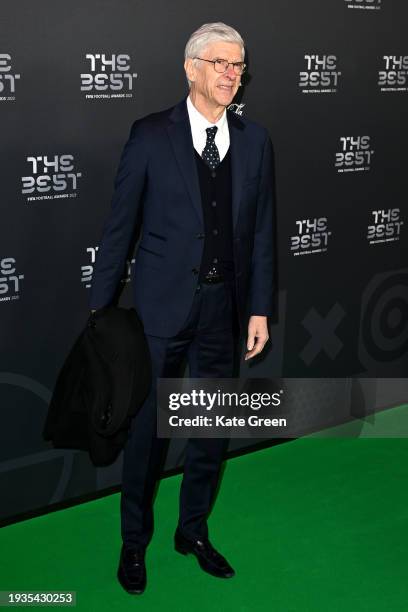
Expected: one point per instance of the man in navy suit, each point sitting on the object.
(202, 178)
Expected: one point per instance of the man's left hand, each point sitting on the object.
(257, 335)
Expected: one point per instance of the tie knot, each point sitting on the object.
(211, 131)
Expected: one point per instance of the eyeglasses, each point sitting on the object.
(221, 65)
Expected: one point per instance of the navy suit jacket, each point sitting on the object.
(157, 172)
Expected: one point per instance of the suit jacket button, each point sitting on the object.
(195, 270)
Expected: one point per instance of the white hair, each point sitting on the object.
(209, 33)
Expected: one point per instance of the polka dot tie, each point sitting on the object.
(210, 152)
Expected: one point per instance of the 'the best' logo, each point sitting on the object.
(7, 79)
(355, 154)
(385, 227)
(109, 77)
(321, 74)
(10, 281)
(394, 75)
(54, 177)
(364, 4)
(312, 236)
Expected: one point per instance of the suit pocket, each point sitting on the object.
(158, 236)
(150, 251)
(148, 258)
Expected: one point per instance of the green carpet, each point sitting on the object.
(310, 525)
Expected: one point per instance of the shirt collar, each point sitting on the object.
(201, 122)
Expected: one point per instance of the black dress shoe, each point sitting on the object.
(209, 559)
(132, 570)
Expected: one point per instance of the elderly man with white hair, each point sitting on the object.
(202, 178)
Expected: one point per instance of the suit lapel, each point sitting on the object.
(179, 132)
(181, 140)
(239, 156)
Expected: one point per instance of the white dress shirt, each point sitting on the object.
(199, 124)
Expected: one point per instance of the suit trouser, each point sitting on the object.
(207, 341)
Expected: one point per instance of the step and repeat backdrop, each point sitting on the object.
(328, 78)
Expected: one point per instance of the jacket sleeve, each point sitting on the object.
(119, 226)
(262, 265)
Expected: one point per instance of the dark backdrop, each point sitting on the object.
(328, 78)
